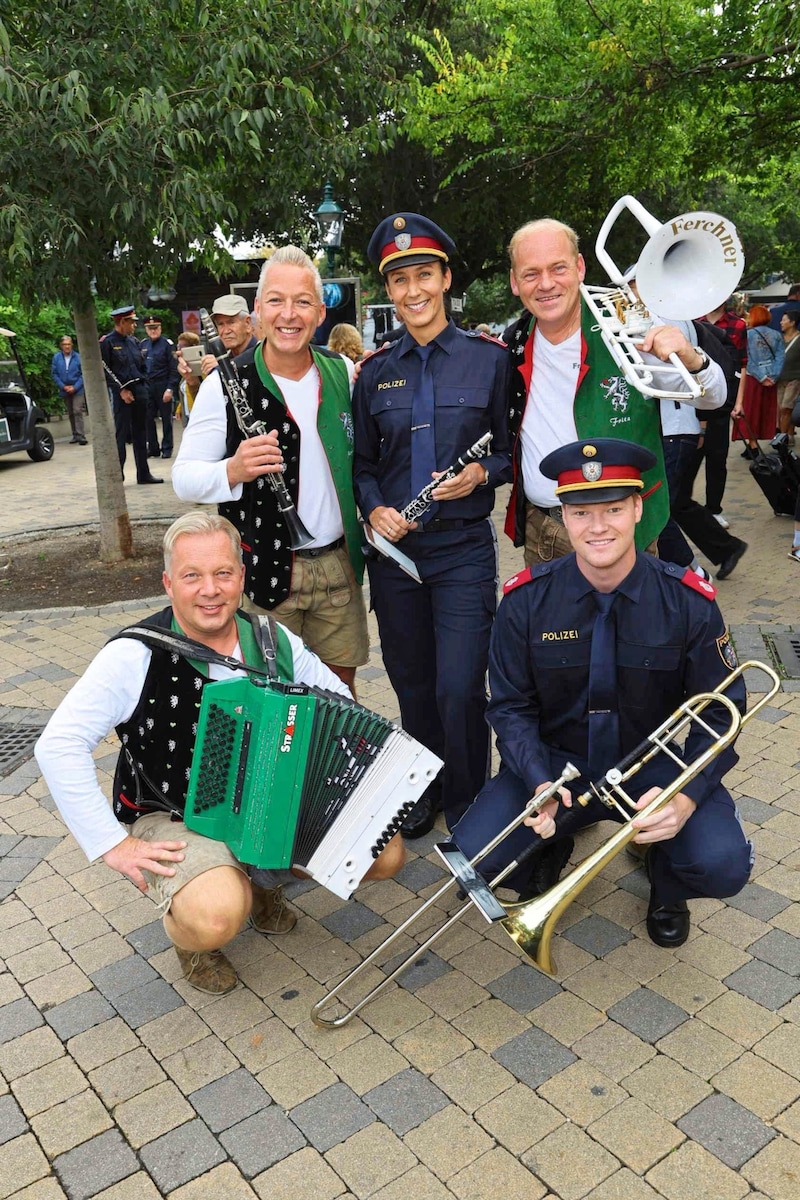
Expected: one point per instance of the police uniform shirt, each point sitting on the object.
(469, 375)
(123, 354)
(671, 644)
(160, 362)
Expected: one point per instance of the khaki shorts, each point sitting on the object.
(325, 607)
(788, 393)
(545, 537)
(201, 854)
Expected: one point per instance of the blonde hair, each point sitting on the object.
(544, 224)
(195, 522)
(291, 256)
(345, 339)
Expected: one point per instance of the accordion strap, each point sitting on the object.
(179, 643)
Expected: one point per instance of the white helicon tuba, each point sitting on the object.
(689, 266)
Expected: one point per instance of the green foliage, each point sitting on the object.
(491, 301)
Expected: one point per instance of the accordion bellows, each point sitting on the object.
(291, 776)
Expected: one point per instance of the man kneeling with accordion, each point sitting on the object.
(150, 683)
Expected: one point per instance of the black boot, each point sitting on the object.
(422, 817)
(667, 924)
(545, 866)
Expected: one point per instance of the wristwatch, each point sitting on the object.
(705, 363)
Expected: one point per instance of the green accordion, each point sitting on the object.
(292, 776)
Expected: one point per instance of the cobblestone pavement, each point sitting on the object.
(635, 1073)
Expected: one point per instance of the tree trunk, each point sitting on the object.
(116, 538)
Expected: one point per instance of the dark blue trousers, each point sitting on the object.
(435, 644)
(709, 857)
(129, 425)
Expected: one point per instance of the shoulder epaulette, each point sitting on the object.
(538, 571)
(486, 337)
(693, 581)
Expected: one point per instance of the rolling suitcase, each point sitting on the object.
(777, 475)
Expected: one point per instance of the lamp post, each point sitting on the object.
(330, 221)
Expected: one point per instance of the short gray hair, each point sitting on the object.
(195, 522)
(544, 224)
(291, 256)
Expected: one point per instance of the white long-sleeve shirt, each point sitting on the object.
(105, 696)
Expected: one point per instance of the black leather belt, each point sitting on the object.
(316, 551)
(445, 525)
(554, 513)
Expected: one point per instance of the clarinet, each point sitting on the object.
(299, 537)
(421, 503)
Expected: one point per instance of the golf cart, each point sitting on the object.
(21, 421)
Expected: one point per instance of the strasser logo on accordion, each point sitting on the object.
(288, 732)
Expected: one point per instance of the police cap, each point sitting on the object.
(598, 470)
(127, 310)
(407, 239)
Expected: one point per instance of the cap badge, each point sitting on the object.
(399, 222)
(402, 240)
(589, 451)
(592, 471)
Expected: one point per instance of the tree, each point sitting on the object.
(129, 135)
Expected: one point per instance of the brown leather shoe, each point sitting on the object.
(270, 912)
(207, 971)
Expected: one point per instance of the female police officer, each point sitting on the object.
(420, 402)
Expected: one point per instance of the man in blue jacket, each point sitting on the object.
(65, 368)
(163, 382)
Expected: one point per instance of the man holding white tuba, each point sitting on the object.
(590, 654)
(565, 384)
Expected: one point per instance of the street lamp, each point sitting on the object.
(330, 221)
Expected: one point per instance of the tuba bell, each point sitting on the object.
(689, 266)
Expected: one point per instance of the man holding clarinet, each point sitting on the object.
(301, 395)
(420, 403)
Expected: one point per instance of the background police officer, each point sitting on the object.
(420, 402)
(125, 373)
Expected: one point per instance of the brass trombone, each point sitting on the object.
(531, 923)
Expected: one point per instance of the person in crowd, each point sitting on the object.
(715, 439)
(420, 402)
(754, 411)
(235, 328)
(345, 339)
(125, 370)
(163, 381)
(190, 383)
(67, 375)
(151, 697)
(788, 390)
(565, 384)
(777, 310)
(590, 653)
(301, 393)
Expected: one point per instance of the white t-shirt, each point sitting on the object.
(549, 420)
(317, 502)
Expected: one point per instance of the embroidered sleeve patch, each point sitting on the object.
(727, 652)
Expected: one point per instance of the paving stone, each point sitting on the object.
(95, 1165)
(226, 1181)
(370, 1159)
(524, 988)
(636, 1135)
(405, 1100)
(432, 1043)
(758, 901)
(126, 1076)
(34, 847)
(367, 1063)
(648, 1015)
(79, 1014)
(48, 1085)
(496, 1173)
(152, 1113)
(12, 1119)
(597, 935)
(305, 1171)
(261, 1140)
(623, 1185)
(419, 874)
(149, 939)
(732, 1133)
(229, 1100)
(181, 1155)
(764, 983)
(145, 1004)
(762, 1088)
(14, 870)
(17, 1018)
(21, 1163)
(102, 1043)
(754, 811)
(424, 971)
(614, 1050)
(296, 1078)
(448, 1141)
(691, 1172)
(172, 1032)
(776, 1169)
(351, 921)
(667, 1087)
(331, 1116)
(570, 1162)
(125, 976)
(518, 1118)
(780, 949)
(582, 1093)
(199, 1064)
(28, 1052)
(533, 1056)
(66, 1125)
